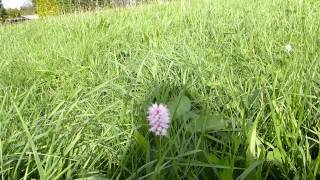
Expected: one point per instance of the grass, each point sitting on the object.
(74, 92)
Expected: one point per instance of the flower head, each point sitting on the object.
(159, 119)
(288, 48)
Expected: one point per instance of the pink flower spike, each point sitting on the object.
(159, 119)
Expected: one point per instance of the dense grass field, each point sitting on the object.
(75, 92)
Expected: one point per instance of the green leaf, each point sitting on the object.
(73, 143)
(179, 106)
(274, 156)
(142, 142)
(207, 122)
(296, 176)
(212, 158)
(94, 177)
(252, 142)
(190, 115)
(188, 153)
(32, 145)
(250, 169)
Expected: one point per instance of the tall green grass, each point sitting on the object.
(74, 92)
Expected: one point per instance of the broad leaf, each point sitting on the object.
(190, 115)
(94, 177)
(179, 106)
(207, 122)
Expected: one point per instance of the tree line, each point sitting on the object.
(3, 12)
(8, 13)
(55, 7)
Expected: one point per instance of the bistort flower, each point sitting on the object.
(159, 119)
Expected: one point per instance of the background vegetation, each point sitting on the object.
(3, 12)
(47, 7)
(13, 13)
(74, 92)
(67, 6)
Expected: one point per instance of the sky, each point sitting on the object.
(16, 3)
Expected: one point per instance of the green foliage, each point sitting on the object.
(47, 8)
(13, 13)
(28, 10)
(83, 5)
(207, 122)
(94, 177)
(179, 106)
(3, 12)
(74, 92)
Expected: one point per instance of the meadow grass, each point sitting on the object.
(74, 92)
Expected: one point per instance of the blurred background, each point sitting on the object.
(14, 11)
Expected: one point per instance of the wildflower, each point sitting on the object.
(159, 119)
(288, 48)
